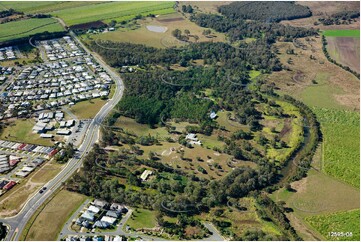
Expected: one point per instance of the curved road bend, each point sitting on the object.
(18, 222)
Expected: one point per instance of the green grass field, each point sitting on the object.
(321, 94)
(43, 6)
(337, 222)
(312, 198)
(342, 33)
(142, 218)
(341, 144)
(112, 11)
(27, 27)
(87, 109)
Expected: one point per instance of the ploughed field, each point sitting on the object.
(345, 50)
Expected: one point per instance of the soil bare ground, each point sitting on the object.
(169, 20)
(345, 50)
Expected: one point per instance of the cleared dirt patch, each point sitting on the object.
(345, 50)
(169, 20)
(157, 29)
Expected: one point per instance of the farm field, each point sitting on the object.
(20, 130)
(345, 50)
(342, 33)
(142, 218)
(341, 144)
(345, 222)
(43, 224)
(111, 11)
(27, 27)
(43, 6)
(87, 109)
(139, 34)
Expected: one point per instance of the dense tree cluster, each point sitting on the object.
(238, 29)
(7, 13)
(344, 17)
(258, 54)
(187, 8)
(265, 11)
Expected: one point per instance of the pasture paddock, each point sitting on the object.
(334, 87)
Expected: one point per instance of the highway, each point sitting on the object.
(17, 223)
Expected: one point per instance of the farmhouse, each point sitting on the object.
(213, 115)
(145, 175)
(192, 138)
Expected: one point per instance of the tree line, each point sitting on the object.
(329, 58)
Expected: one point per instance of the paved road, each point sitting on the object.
(216, 236)
(18, 222)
